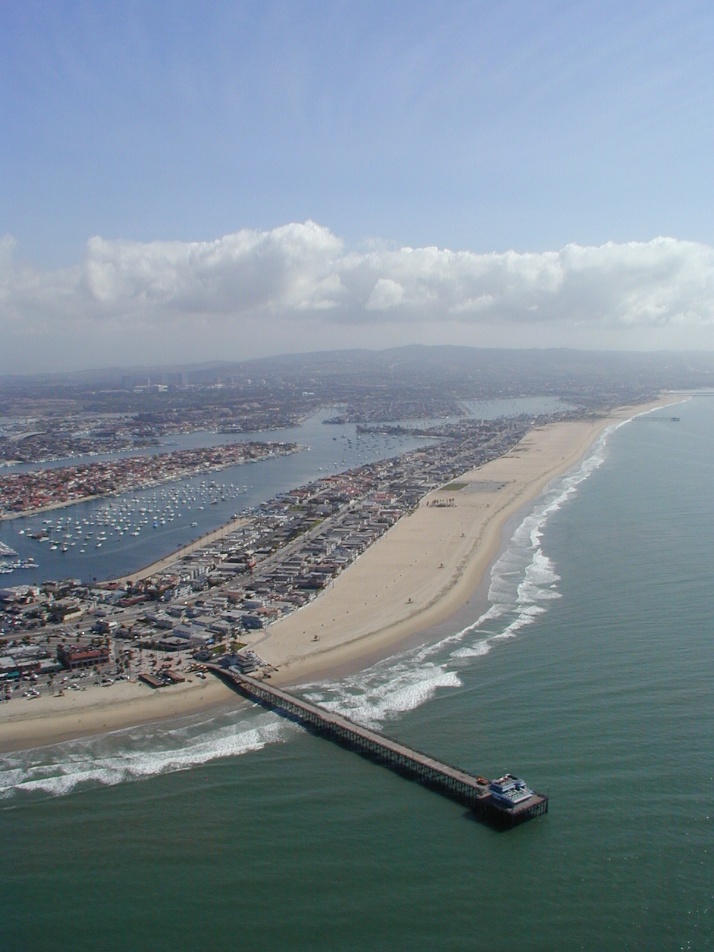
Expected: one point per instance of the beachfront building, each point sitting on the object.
(8, 669)
(80, 656)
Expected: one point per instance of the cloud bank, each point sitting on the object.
(298, 287)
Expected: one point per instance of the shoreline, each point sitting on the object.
(428, 565)
(161, 565)
(415, 577)
(52, 719)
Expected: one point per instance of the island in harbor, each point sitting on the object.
(25, 493)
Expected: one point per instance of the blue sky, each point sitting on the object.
(540, 147)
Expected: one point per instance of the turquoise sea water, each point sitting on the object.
(590, 674)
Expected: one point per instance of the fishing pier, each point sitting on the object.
(474, 792)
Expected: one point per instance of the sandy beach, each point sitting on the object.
(417, 575)
(49, 719)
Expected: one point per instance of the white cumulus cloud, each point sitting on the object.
(298, 287)
(291, 267)
(386, 294)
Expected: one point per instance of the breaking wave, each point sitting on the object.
(136, 754)
(383, 691)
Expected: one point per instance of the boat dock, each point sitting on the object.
(456, 784)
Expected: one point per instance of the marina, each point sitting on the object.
(10, 561)
(144, 525)
(356, 458)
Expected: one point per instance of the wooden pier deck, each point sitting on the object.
(459, 785)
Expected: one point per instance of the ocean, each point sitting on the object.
(588, 671)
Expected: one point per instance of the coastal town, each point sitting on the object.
(215, 602)
(56, 417)
(216, 599)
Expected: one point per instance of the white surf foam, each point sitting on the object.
(126, 756)
(383, 691)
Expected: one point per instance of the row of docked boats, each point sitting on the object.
(7, 566)
(10, 560)
(99, 525)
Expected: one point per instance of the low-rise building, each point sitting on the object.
(81, 656)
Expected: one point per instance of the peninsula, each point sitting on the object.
(425, 548)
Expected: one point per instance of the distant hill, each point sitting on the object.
(472, 368)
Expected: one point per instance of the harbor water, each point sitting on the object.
(588, 672)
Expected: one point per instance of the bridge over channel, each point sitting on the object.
(456, 784)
